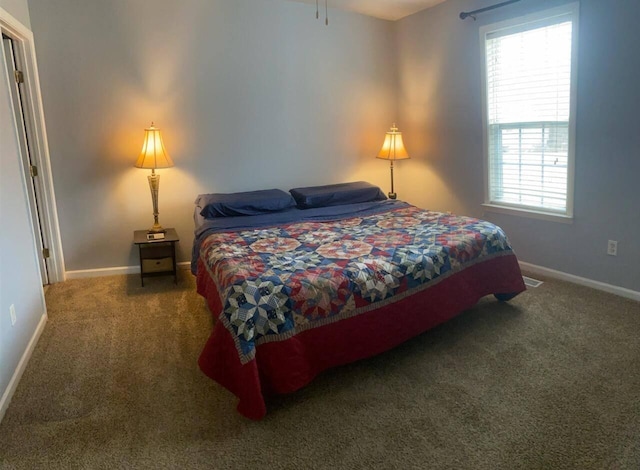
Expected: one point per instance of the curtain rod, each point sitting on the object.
(472, 14)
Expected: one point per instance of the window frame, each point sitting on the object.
(513, 25)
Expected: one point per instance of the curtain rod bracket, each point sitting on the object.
(472, 14)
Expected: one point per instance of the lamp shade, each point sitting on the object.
(153, 154)
(393, 147)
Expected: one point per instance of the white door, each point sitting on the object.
(24, 125)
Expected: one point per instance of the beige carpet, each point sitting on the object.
(549, 380)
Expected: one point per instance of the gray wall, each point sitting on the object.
(441, 113)
(19, 9)
(257, 93)
(249, 94)
(20, 282)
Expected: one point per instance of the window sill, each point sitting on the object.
(529, 213)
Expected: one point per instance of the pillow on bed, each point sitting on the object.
(336, 194)
(246, 203)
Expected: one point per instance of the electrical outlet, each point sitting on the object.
(612, 248)
(12, 313)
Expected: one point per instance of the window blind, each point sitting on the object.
(528, 77)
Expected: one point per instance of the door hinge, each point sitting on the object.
(19, 76)
(45, 253)
(33, 170)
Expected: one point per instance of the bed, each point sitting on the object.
(319, 281)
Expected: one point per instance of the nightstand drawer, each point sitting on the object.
(164, 250)
(157, 265)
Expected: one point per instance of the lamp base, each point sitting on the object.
(156, 229)
(392, 196)
(154, 186)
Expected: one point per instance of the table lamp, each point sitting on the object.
(393, 149)
(154, 155)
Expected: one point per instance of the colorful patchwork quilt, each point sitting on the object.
(276, 282)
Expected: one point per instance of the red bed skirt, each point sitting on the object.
(285, 366)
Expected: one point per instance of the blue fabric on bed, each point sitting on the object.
(246, 203)
(336, 194)
(322, 214)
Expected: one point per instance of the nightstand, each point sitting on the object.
(157, 257)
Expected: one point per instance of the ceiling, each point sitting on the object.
(385, 9)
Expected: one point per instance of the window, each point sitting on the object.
(529, 77)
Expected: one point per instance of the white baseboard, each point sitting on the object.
(83, 273)
(552, 273)
(17, 374)
(583, 281)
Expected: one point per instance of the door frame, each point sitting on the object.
(40, 150)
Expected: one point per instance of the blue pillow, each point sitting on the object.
(246, 203)
(336, 194)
